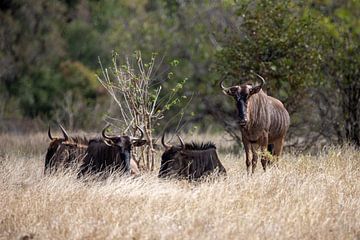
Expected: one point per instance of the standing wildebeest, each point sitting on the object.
(263, 120)
(190, 160)
(64, 152)
(111, 153)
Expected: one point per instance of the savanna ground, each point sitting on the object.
(306, 197)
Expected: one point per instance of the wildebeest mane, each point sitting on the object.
(79, 140)
(191, 161)
(196, 146)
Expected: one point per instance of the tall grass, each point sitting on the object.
(305, 197)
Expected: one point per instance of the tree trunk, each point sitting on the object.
(351, 112)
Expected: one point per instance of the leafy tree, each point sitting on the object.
(280, 40)
(35, 48)
(30, 38)
(339, 97)
(304, 49)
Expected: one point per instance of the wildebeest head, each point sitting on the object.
(169, 162)
(111, 153)
(124, 142)
(64, 152)
(55, 142)
(241, 94)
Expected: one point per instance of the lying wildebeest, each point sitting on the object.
(64, 152)
(190, 161)
(263, 120)
(111, 153)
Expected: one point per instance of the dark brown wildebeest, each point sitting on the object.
(263, 120)
(111, 153)
(64, 152)
(189, 160)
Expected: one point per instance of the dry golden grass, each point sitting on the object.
(306, 197)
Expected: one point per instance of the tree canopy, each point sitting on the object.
(306, 51)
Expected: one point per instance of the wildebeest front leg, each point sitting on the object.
(264, 160)
(254, 157)
(247, 156)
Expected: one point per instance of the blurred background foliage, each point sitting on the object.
(306, 50)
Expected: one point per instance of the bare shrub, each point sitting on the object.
(137, 97)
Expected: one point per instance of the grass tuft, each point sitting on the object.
(303, 197)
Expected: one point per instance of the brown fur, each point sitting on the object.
(72, 151)
(265, 121)
(63, 153)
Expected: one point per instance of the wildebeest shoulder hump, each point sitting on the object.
(200, 146)
(80, 140)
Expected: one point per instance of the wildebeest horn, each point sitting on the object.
(181, 141)
(103, 132)
(66, 136)
(141, 137)
(163, 141)
(262, 79)
(222, 86)
(49, 134)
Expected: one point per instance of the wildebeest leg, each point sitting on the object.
(278, 146)
(254, 157)
(264, 160)
(247, 156)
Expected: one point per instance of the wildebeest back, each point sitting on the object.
(101, 157)
(192, 161)
(203, 163)
(64, 154)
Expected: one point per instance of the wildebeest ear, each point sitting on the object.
(229, 91)
(254, 90)
(139, 143)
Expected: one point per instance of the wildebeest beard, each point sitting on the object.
(104, 158)
(242, 109)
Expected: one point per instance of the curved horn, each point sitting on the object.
(262, 79)
(49, 134)
(142, 132)
(163, 141)
(103, 132)
(141, 137)
(222, 86)
(225, 90)
(66, 136)
(181, 141)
